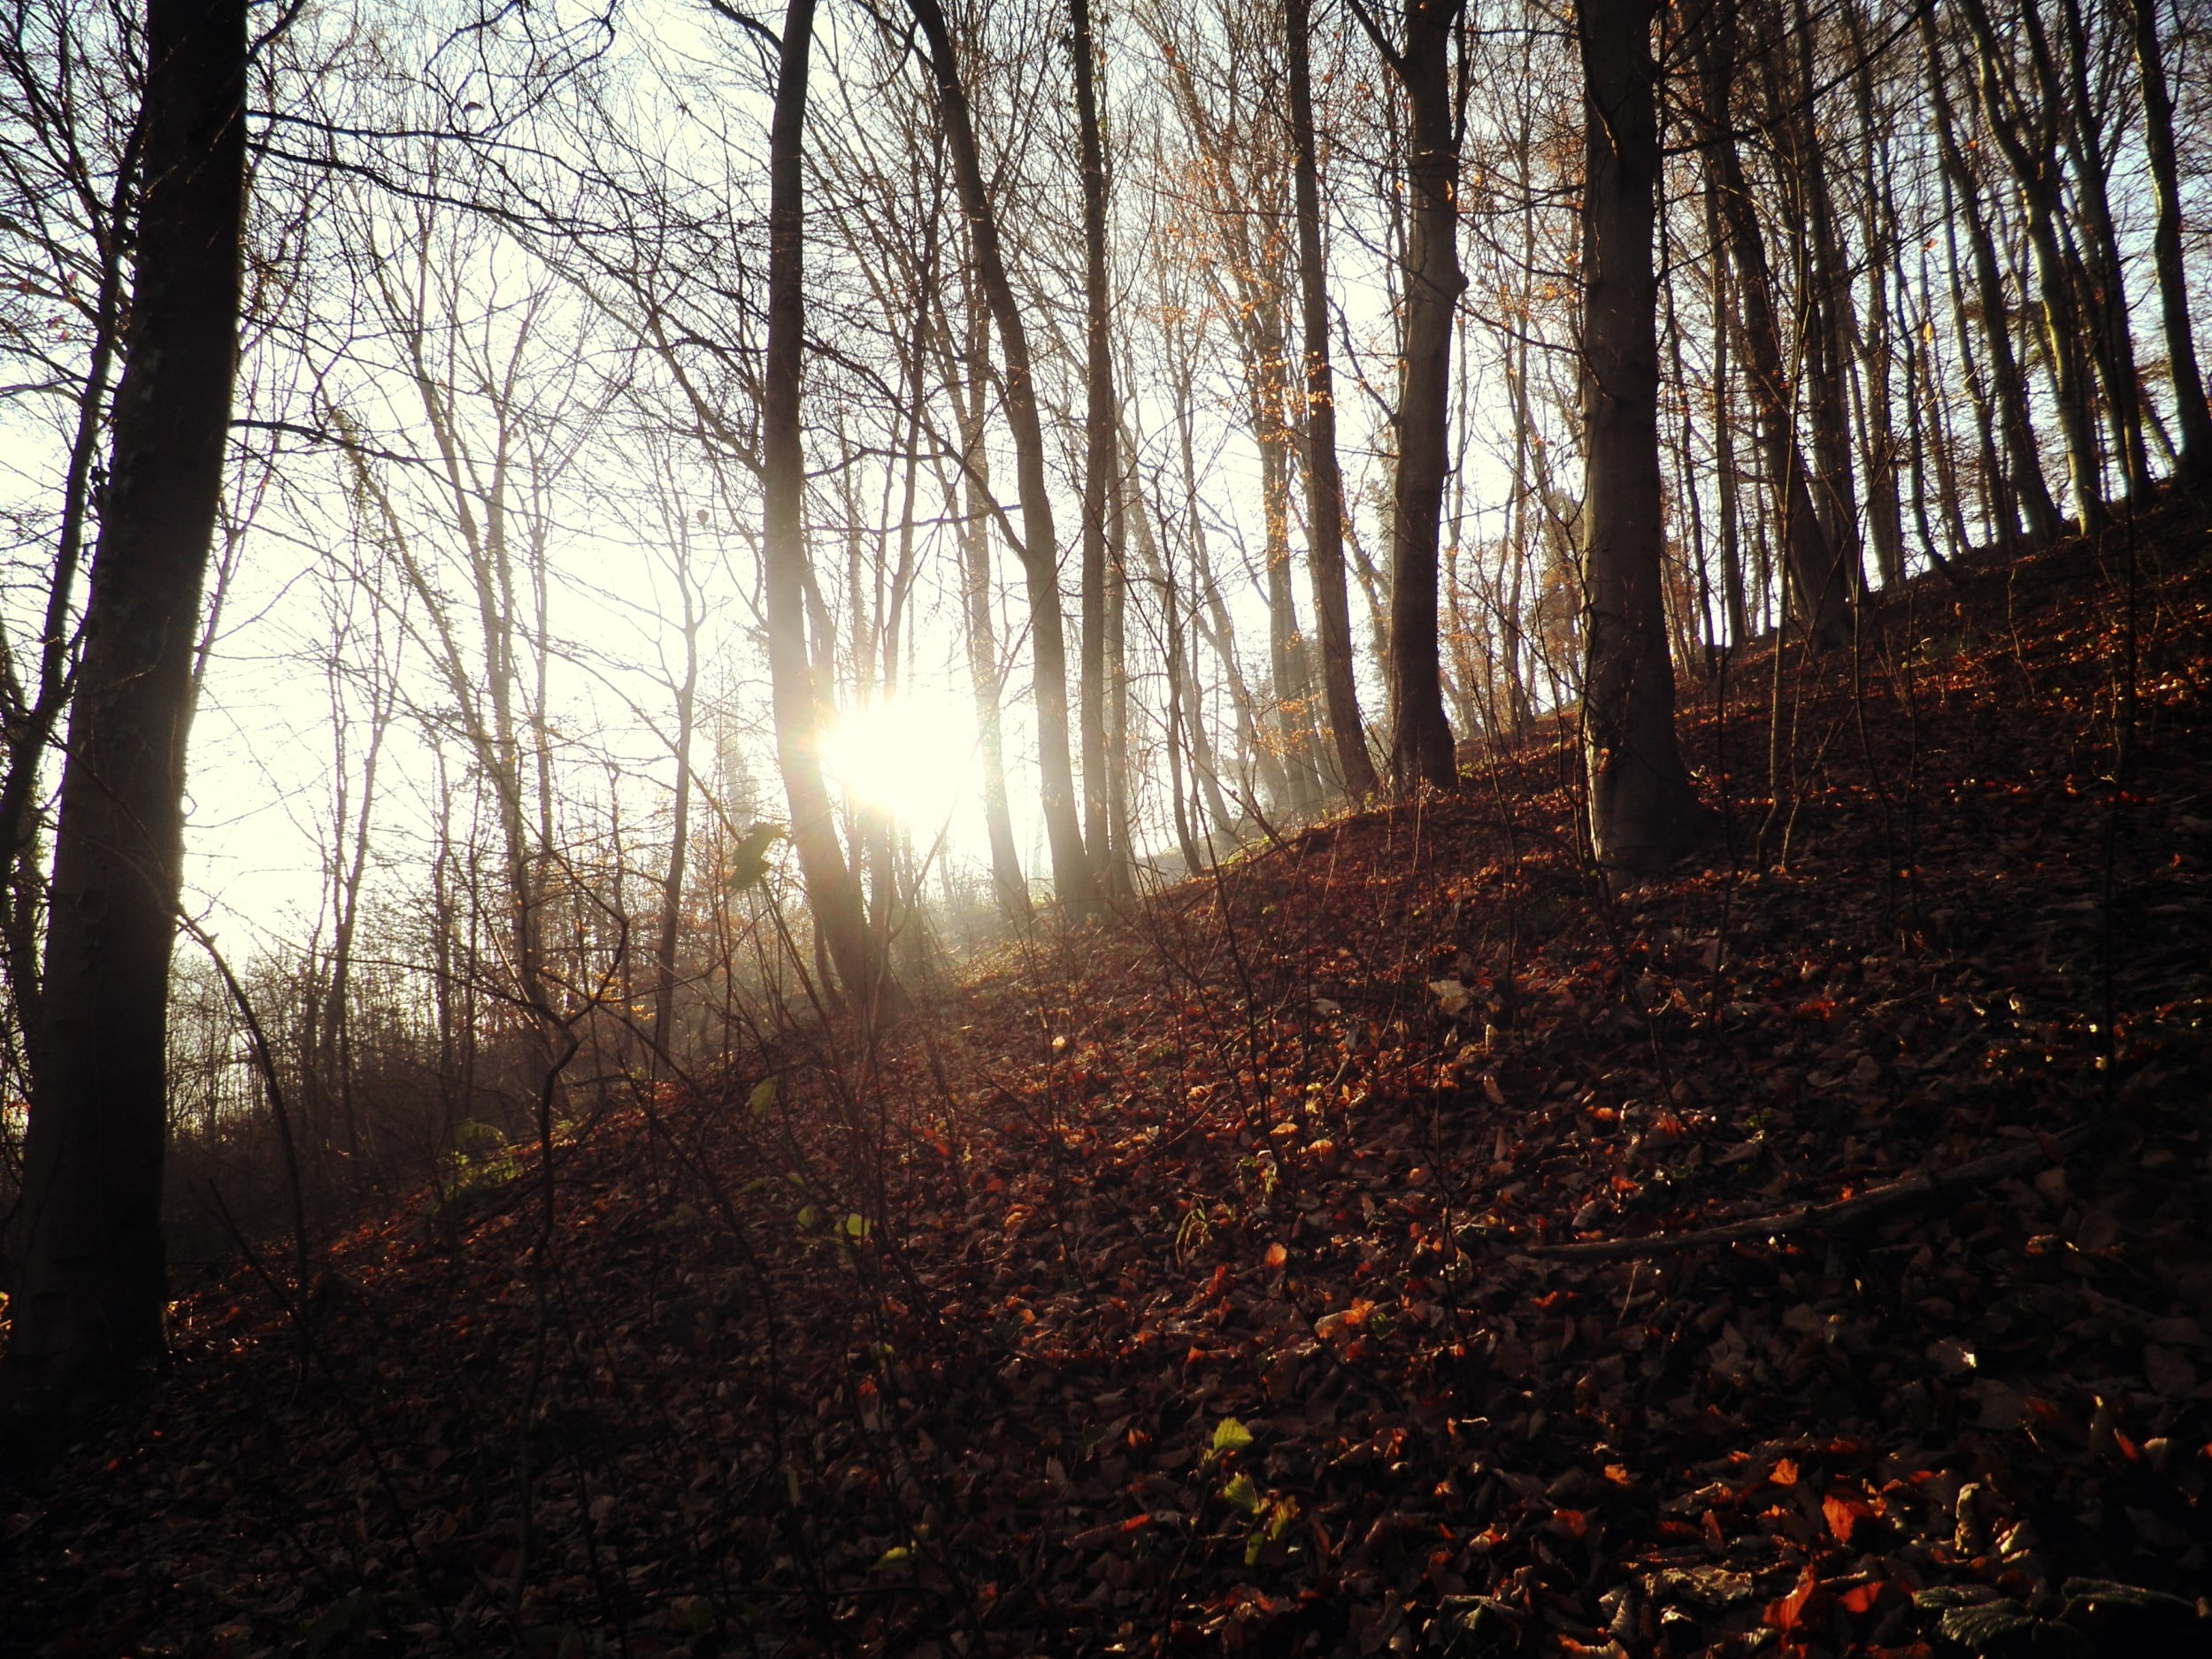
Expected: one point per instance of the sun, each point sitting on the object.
(911, 756)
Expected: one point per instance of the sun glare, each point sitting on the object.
(912, 757)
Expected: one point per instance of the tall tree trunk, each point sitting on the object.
(1185, 717)
(1325, 478)
(1073, 882)
(1835, 495)
(1723, 424)
(832, 887)
(1102, 460)
(88, 1305)
(2026, 132)
(1420, 738)
(1287, 661)
(975, 563)
(1121, 842)
(2173, 285)
(1877, 354)
(1819, 595)
(2024, 474)
(1643, 813)
(680, 826)
(2104, 291)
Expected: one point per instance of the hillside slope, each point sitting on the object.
(1186, 1285)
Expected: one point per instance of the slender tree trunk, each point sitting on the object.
(1820, 597)
(678, 835)
(1074, 883)
(1324, 480)
(1724, 425)
(1102, 463)
(2104, 289)
(983, 673)
(88, 1305)
(1828, 355)
(832, 887)
(2026, 131)
(1877, 354)
(2024, 474)
(1420, 738)
(1643, 813)
(2173, 284)
(1121, 845)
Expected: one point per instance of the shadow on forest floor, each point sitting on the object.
(1191, 1283)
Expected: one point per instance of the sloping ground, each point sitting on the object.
(1183, 1286)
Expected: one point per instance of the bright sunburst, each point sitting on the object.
(912, 757)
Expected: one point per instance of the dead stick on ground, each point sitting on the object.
(2043, 1149)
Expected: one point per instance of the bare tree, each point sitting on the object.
(90, 1303)
(1643, 813)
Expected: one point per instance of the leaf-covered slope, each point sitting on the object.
(1183, 1285)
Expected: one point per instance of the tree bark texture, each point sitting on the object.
(1325, 478)
(832, 887)
(1420, 738)
(1643, 813)
(1101, 460)
(2173, 287)
(89, 1301)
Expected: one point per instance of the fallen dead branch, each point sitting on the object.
(1840, 1212)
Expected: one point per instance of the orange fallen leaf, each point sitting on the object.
(1861, 1600)
(1784, 1472)
(1843, 1516)
(1276, 1256)
(1789, 1612)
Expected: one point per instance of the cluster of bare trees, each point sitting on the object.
(1242, 408)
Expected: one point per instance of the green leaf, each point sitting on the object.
(809, 1216)
(897, 1556)
(857, 1226)
(1231, 1436)
(791, 1483)
(1243, 1494)
(763, 1097)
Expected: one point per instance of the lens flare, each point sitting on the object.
(912, 757)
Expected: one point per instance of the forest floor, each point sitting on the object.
(1205, 1281)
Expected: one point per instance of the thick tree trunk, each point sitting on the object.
(832, 887)
(1324, 480)
(88, 1305)
(1073, 882)
(1420, 738)
(1643, 813)
(2173, 285)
